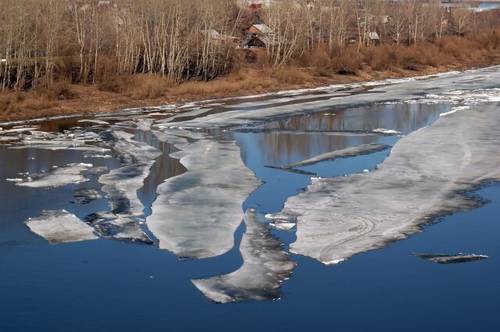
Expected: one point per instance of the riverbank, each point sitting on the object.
(148, 90)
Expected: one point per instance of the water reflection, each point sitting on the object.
(164, 167)
(304, 136)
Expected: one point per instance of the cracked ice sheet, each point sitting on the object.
(61, 226)
(124, 182)
(121, 186)
(407, 89)
(197, 213)
(421, 179)
(265, 266)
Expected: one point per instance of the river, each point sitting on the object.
(298, 210)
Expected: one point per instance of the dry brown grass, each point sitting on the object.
(15, 103)
(236, 82)
(347, 61)
(142, 86)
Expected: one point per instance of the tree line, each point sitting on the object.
(90, 41)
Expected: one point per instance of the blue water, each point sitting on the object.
(108, 285)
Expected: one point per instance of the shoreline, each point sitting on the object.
(117, 105)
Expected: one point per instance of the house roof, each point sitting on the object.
(373, 35)
(262, 28)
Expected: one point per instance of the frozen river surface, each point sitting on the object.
(300, 210)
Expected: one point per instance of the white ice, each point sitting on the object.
(424, 177)
(61, 226)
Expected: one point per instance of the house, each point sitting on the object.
(219, 37)
(258, 36)
(373, 37)
(253, 41)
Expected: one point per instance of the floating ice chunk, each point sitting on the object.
(334, 262)
(283, 226)
(454, 110)
(98, 156)
(344, 153)
(93, 121)
(14, 180)
(197, 213)
(18, 130)
(278, 216)
(9, 139)
(60, 226)
(118, 227)
(425, 176)
(451, 259)
(386, 131)
(265, 267)
(70, 174)
(188, 105)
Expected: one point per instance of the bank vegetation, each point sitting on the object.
(126, 50)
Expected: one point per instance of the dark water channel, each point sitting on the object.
(108, 285)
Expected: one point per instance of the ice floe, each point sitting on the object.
(60, 226)
(425, 176)
(121, 227)
(386, 131)
(93, 121)
(265, 266)
(121, 186)
(344, 153)
(197, 213)
(451, 259)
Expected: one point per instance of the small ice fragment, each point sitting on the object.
(14, 180)
(101, 156)
(86, 165)
(454, 110)
(362, 149)
(283, 226)
(451, 259)
(97, 122)
(334, 262)
(277, 216)
(386, 131)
